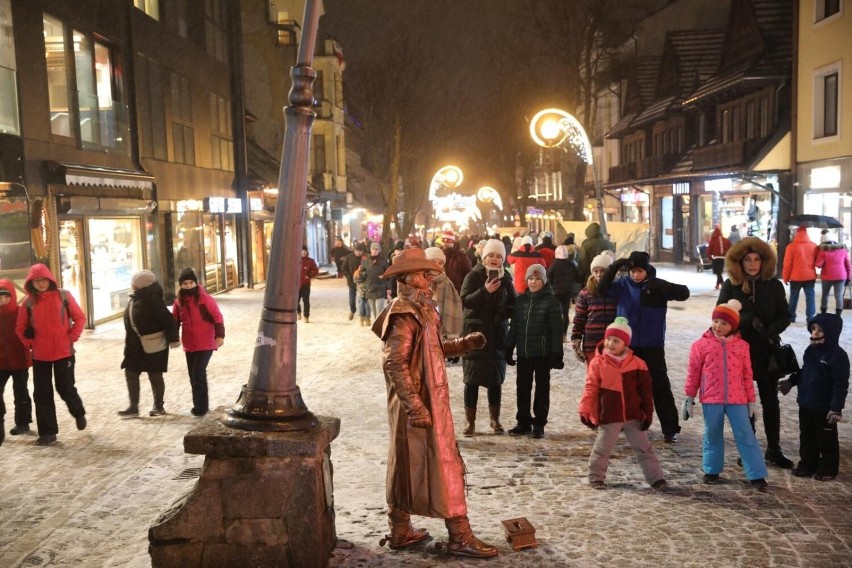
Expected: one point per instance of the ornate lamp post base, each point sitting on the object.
(270, 411)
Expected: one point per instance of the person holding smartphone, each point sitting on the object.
(488, 298)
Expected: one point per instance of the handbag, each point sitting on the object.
(782, 360)
(151, 342)
(847, 297)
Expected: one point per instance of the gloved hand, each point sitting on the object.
(556, 361)
(29, 332)
(474, 340)
(645, 424)
(758, 324)
(784, 386)
(421, 419)
(750, 407)
(174, 344)
(587, 420)
(510, 359)
(621, 264)
(834, 417)
(687, 407)
(578, 350)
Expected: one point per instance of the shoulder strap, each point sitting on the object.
(130, 314)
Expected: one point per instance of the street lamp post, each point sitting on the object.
(555, 128)
(272, 401)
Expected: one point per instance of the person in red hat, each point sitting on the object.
(425, 473)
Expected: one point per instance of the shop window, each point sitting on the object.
(150, 7)
(9, 122)
(14, 237)
(825, 9)
(826, 101)
(666, 223)
(115, 255)
(77, 62)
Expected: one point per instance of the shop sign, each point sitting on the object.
(214, 204)
(825, 178)
(680, 189)
(234, 205)
(722, 184)
(255, 204)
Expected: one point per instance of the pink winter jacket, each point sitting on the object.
(834, 262)
(720, 369)
(200, 320)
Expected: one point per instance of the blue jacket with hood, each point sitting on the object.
(824, 378)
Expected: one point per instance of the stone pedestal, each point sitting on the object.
(263, 499)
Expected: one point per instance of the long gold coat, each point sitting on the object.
(425, 473)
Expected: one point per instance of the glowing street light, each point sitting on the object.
(448, 177)
(555, 128)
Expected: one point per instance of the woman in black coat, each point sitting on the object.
(488, 304)
(146, 313)
(751, 265)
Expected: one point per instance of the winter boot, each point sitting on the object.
(402, 533)
(838, 311)
(129, 411)
(494, 412)
(307, 319)
(470, 416)
(822, 309)
(20, 429)
(774, 456)
(157, 410)
(463, 542)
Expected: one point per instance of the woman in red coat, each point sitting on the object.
(202, 332)
(49, 323)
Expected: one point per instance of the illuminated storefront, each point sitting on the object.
(827, 190)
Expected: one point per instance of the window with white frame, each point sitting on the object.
(824, 9)
(827, 96)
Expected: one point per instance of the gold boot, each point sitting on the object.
(402, 533)
(463, 542)
(470, 416)
(494, 412)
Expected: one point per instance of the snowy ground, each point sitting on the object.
(89, 500)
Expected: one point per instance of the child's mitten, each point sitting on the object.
(687, 407)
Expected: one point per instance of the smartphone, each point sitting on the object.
(492, 274)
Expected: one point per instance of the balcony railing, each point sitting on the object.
(728, 154)
(103, 126)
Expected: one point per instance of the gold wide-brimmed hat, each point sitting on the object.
(410, 260)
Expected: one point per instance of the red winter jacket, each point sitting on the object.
(720, 369)
(309, 270)
(200, 320)
(616, 393)
(13, 355)
(800, 259)
(717, 245)
(522, 259)
(55, 332)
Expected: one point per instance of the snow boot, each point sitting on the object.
(470, 416)
(494, 413)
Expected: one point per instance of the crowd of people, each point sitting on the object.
(514, 297)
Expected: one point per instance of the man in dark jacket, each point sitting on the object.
(594, 244)
(350, 265)
(339, 252)
(643, 298)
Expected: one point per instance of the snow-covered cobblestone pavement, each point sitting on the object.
(89, 499)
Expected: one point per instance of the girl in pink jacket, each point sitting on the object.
(720, 367)
(202, 332)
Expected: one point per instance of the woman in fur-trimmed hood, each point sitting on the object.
(765, 313)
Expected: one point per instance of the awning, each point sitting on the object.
(85, 180)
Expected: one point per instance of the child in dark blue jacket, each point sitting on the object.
(823, 382)
(643, 299)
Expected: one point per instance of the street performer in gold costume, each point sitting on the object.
(425, 470)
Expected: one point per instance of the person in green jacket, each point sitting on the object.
(536, 332)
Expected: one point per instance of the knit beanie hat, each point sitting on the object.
(143, 279)
(562, 252)
(825, 237)
(495, 246)
(640, 259)
(603, 260)
(620, 329)
(729, 312)
(375, 248)
(536, 270)
(436, 254)
(187, 274)
(527, 241)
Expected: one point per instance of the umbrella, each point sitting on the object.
(816, 221)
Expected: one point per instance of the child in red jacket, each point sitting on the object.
(14, 362)
(618, 397)
(202, 332)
